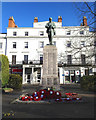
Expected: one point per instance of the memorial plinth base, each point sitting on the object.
(50, 68)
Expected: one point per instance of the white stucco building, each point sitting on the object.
(24, 48)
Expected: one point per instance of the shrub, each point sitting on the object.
(88, 83)
(4, 70)
(15, 81)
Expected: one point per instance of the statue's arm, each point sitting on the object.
(46, 26)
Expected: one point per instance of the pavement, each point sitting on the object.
(52, 110)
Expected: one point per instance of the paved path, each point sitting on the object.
(68, 110)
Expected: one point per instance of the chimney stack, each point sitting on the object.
(11, 22)
(84, 21)
(36, 19)
(59, 18)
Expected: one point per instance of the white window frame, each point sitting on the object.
(25, 44)
(14, 33)
(26, 33)
(68, 32)
(14, 44)
(54, 43)
(82, 43)
(68, 44)
(82, 32)
(41, 33)
(41, 44)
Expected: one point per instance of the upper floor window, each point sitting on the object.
(83, 59)
(68, 43)
(82, 43)
(54, 43)
(68, 33)
(81, 32)
(41, 33)
(14, 44)
(26, 59)
(1, 45)
(95, 43)
(41, 44)
(26, 33)
(14, 33)
(26, 44)
(69, 59)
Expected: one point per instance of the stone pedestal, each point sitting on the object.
(50, 67)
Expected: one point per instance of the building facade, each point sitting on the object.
(24, 48)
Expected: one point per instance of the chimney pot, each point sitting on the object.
(84, 21)
(59, 18)
(36, 19)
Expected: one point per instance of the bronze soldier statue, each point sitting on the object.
(50, 30)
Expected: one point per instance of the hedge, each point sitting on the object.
(88, 83)
(4, 70)
(15, 81)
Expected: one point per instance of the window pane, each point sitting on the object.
(0, 45)
(68, 43)
(54, 43)
(41, 44)
(14, 44)
(69, 59)
(41, 33)
(68, 32)
(26, 33)
(81, 32)
(26, 59)
(14, 33)
(83, 61)
(82, 43)
(26, 44)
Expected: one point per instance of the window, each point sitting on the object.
(26, 44)
(68, 43)
(13, 59)
(82, 43)
(41, 44)
(69, 59)
(14, 44)
(1, 45)
(26, 33)
(41, 59)
(26, 59)
(14, 33)
(68, 32)
(54, 43)
(95, 58)
(81, 32)
(83, 61)
(95, 43)
(41, 33)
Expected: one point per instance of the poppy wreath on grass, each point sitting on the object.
(35, 94)
(50, 94)
(57, 94)
(30, 98)
(37, 98)
(42, 94)
(24, 98)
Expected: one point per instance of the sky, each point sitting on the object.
(24, 13)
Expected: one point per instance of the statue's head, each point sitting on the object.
(50, 19)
